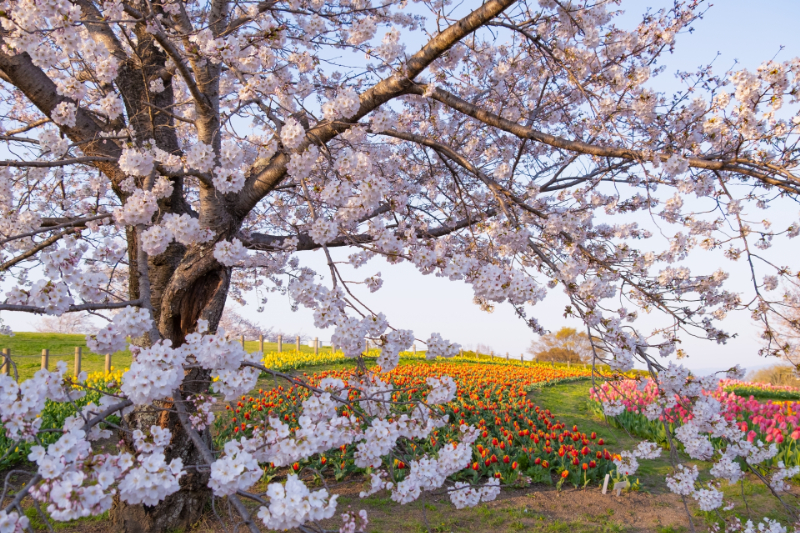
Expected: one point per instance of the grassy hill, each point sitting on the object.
(26, 351)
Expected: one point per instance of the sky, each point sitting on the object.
(740, 30)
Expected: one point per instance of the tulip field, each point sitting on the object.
(530, 437)
(769, 420)
(519, 442)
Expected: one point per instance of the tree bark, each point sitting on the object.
(188, 285)
(183, 509)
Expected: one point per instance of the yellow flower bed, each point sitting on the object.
(100, 380)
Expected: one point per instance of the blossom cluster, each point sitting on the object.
(701, 411)
(442, 175)
(463, 495)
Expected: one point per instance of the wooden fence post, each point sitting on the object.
(6, 359)
(45, 359)
(77, 360)
(415, 348)
(261, 343)
(297, 343)
(242, 341)
(108, 364)
(316, 345)
(333, 347)
(280, 343)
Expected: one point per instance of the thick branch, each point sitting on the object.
(264, 179)
(260, 241)
(59, 163)
(72, 308)
(791, 183)
(36, 249)
(80, 223)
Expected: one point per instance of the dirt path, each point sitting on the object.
(539, 509)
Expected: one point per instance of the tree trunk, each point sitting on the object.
(183, 509)
(197, 288)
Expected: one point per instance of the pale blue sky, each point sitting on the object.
(746, 31)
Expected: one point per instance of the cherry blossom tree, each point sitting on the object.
(66, 323)
(566, 344)
(237, 325)
(163, 155)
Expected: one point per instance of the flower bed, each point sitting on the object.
(518, 442)
(54, 415)
(775, 422)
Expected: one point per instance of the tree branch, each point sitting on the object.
(791, 184)
(59, 163)
(72, 308)
(261, 241)
(263, 179)
(81, 222)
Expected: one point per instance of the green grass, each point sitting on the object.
(252, 346)
(572, 405)
(40, 525)
(764, 394)
(26, 353)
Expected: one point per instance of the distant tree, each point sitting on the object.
(783, 337)
(288, 337)
(484, 349)
(66, 323)
(779, 374)
(566, 345)
(235, 325)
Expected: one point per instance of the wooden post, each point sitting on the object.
(506, 356)
(45, 359)
(108, 364)
(77, 360)
(316, 345)
(261, 343)
(415, 348)
(297, 343)
(280, 343)
(333, 347)
(567, 364)
(6, 359)
(242, 341)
